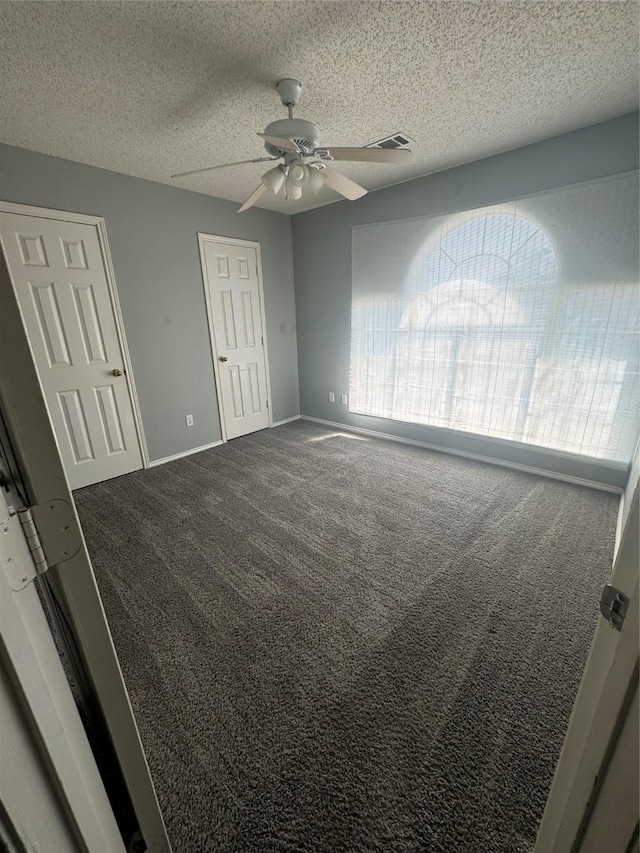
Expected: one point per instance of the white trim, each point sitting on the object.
(286, 421)
(621, 507)
(608, 673)
(529, 469)
(193, 450)
(214, 355)
(31, 661)
(49, 213)
(236, 241)
(263, 320)
(117, 312)
(212, 238)
(99, 224)
(39, 461)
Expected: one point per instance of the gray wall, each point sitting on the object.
(152, 230)
(322, 265)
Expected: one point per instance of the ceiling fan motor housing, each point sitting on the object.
(303, 133)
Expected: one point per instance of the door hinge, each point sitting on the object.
(51, 532)
(613, 606)
(267, 403)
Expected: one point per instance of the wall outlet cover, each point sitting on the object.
(344, 400)
(332, 397)
(189, 420)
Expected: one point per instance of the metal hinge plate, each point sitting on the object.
(613, 606)
(51, 532)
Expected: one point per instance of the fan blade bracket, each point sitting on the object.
(366, 155)
(322, 154)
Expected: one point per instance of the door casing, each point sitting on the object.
(101, 229)
(44, 479)
(211, 238)
(51, 789)
(599, 702)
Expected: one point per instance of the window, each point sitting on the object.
(518, 321)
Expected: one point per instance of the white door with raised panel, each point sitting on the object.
(235, 319)
(59, 274)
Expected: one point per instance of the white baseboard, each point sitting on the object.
(155, 462)
(541, 472)
(285, 421)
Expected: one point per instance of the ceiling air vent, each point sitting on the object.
(396, 140)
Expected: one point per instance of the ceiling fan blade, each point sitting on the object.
(279, 142)
(253, 198)
(399, 156)
(343, 185)
(223, 166)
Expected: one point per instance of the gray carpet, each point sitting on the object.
(336, 644)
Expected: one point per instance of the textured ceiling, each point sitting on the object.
(149, 89)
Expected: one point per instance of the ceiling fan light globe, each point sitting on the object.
(294, 191)
(316, 180)
(298, 174)
(273, 179)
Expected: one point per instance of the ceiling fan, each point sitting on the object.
(305, 164)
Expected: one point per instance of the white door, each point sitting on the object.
(58, 271)
(235, 319)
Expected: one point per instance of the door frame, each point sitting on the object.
(203, 239)
(101, 229)
(599, 704)
(38, 459)
(43, 710)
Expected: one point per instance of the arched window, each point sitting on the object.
(518, 321)
(473, 327)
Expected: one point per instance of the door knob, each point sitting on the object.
(116, 372)
(223, 358)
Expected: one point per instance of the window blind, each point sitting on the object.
(518, 321)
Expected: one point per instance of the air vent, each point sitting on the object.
(396, 140)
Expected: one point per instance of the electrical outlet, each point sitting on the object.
(343, 399)
(189, 420)
(332, 397)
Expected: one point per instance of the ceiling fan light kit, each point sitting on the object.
(296, 142)
(294, 192)
(298, 173)
(274, 179)
(316, 179)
